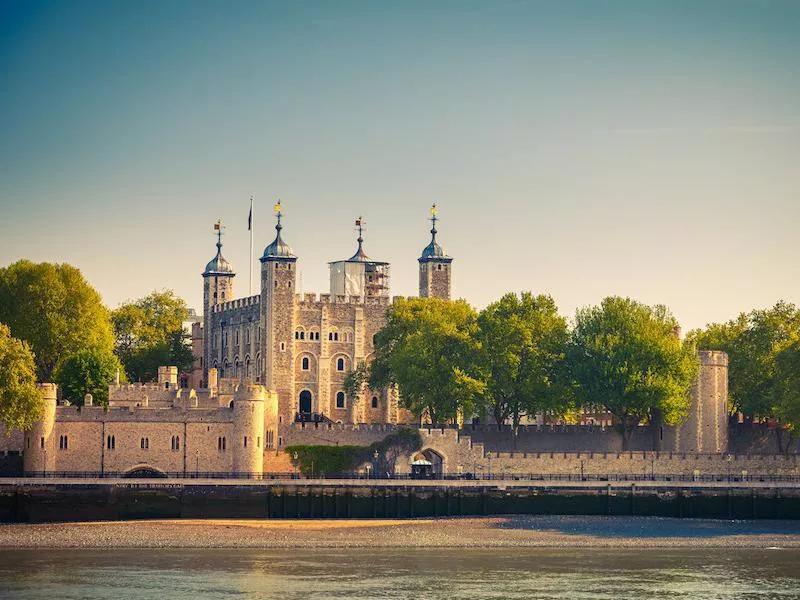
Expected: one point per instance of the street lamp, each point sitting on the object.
(294, 464)
(489, 472)
(375, 456)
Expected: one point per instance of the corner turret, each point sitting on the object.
(278, 279)
(434, 267)
(217, 288)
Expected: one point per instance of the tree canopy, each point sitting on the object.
(523, 343)
(428, 349)
(87, 372)
(149, 334)
(54, 309)
(626, 357)
(20, 398)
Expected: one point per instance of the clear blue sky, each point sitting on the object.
(581, 149)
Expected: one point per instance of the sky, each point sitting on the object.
(575, 148)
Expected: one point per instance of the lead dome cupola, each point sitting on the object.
(218, 265)
(278, 249)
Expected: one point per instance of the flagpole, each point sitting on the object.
(250, 292)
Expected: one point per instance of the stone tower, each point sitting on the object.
(706, 428)
(217, 288)
(39, 454)
(434, 267)
(278, 276)
(248, 429)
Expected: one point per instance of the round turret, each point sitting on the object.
(39, 449)
(248, 429)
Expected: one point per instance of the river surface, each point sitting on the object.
(178, 574)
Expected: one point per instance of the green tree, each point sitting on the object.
(149, 334)
(428, 349)
(523, 344)
(21, 402)
(786, 395)
(55, 310)
(625, 356)
(87, 372)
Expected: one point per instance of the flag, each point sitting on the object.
(277, 207)
(216, 226)
(250, 219)
(433, 210)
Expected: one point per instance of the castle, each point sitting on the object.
(303, 347)
(270, 372)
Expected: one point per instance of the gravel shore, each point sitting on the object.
(485, 532)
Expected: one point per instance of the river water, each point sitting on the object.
(436, 574)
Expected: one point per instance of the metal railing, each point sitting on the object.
(499, 477)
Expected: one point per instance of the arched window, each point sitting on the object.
(305, 365)
(144, 443)
(374, 402)
(221, 444)
(340, 364)
(176, 442)
(339, 399)
(111, 442)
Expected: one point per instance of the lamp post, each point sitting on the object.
(489, 472)
(375, 456)
(294, 464)
(196, 463)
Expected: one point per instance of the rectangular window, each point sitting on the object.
(245, 441)
(42, 442)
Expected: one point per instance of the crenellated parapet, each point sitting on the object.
(238, 304)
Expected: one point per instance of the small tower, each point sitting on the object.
(434, 267)
(217, 288)
(278, 276)
(39, 450)
(248, 429)
(359, 275)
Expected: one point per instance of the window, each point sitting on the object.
(374, 402)
(283, 346)
(340, 364)
(63, 442)
(42, 442)
(176, 442)
(270, 439)
(258, 442)
(245, 441)
(111, 442)
(144, 443)
(221, 444)
(305, 363)
(339, 399)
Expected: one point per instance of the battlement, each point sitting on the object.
(237, 304)
(142, 414)
(141, 387)
(311, 300)
(713, 358)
